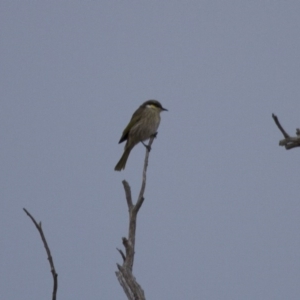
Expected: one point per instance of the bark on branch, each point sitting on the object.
(288, 142)
(124, 274)
(50, 259)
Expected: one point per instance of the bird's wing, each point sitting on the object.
(137, 115)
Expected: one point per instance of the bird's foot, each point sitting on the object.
(147, 146)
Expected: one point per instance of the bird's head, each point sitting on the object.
(153, 104)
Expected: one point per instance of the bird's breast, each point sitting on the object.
(147, 126)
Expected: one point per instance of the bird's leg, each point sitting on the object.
(146, 146)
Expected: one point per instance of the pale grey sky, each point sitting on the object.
(221, 215)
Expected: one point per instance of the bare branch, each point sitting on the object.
(288, 142)
(50, 259)
(128, 194)
(123, 283)
(130, 286)
(141, 195)
(126, 279)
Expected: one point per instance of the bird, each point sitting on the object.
(143, 124)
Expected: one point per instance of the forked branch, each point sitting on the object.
(124, 274)
(288, 142)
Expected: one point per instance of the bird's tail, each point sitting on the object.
(122, 162)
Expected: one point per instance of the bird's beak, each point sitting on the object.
(164, 109)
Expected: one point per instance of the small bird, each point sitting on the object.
(143, 124)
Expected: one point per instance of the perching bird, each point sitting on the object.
(143, 124)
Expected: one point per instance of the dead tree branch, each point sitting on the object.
(124, 274)
(288, 142)
(50, 259)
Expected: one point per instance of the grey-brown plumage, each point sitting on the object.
(144, 123)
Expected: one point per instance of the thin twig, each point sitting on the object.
(122, 254)
(288, 142)
(276, 120)
(50, 259)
